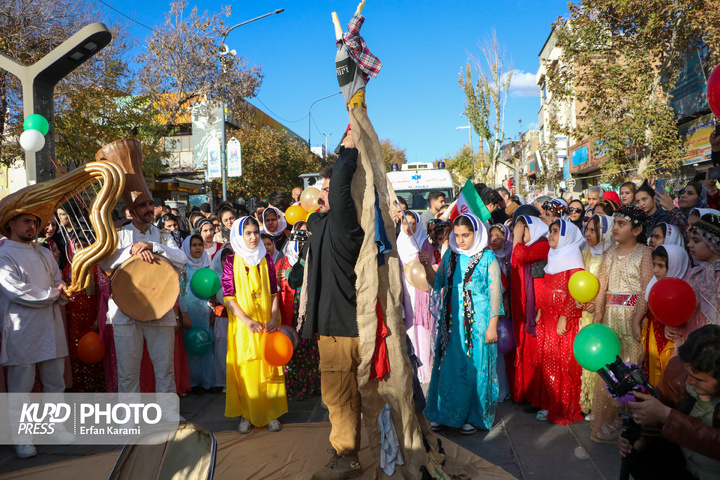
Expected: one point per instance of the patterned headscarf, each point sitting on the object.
(708, 227)
(557, 207)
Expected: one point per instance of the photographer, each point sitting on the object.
(688, 412)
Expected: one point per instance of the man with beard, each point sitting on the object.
(143, 238)
(33, 335)
(330, 255)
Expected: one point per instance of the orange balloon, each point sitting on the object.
(294, 214)
(90, 348)
(276, 348)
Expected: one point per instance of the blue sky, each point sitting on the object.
(416, 101)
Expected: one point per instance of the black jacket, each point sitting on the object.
(334, 247)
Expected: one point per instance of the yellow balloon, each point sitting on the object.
(309, 199)
(415, 275)
(583, 286)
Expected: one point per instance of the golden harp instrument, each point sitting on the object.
(97, 185)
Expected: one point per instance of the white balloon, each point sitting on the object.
(32, 140)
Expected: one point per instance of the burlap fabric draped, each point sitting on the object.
(384, 283)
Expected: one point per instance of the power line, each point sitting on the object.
(278, 116)
(126, 16)
(316, 127)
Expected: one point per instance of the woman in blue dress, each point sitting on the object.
(202, 367)
(467, 301)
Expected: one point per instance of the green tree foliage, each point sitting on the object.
(485, 107)
(392, 154)
(461, 164)
(621, 58)
(271, 160)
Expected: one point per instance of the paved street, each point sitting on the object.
(524, 447)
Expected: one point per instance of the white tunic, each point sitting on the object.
(32, 326)
(162, 245)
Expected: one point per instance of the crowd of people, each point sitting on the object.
(517, 266)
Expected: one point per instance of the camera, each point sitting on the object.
(626, 378)
(299, 236)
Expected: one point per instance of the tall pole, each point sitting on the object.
(38, 83)
(223, 159)
(310, 109)
(326, 144)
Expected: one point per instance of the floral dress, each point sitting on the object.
(623, 280)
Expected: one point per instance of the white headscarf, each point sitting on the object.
(538, 229)
(480, 241)
(604, 235)
(409, 245)
(506, 249)
(678, 264)
(196, 263)
(282, 223)
(568, 253)
(703, 211)
(253, 256)
(673, 236)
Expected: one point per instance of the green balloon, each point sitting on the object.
(205, 282)
(595, 346)
(198, 341)
(36, 122)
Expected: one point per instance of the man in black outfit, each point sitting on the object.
(330, 255)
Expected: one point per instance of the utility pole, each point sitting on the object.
(38, 83)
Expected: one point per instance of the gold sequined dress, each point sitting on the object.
(592, 265)
(623, 280)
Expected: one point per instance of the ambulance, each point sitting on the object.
(415, 181)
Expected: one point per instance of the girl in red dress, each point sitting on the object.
(557, 325)
(529, 254)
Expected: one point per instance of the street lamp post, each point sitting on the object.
(310, 109)
(38, 83)
(326, 144)
(225, 50)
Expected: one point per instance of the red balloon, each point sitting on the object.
(713, 91)
(90, 348)
(672, 301)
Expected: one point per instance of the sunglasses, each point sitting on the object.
(575, 210)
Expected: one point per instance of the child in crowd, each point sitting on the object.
(598, 235)
(704, 246)
(529, 256)
(501, 245)
(202, 367)
(220, 332)
(416, 302)
(255, 390)
(302, 373)
(557, 326)
(274, 253)
(668, 261)
(464, 387)
(665, 234)
(620, 304)
(275, 225)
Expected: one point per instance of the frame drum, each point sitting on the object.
(145, 291)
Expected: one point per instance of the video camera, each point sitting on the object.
(299, 236)
(627, 378)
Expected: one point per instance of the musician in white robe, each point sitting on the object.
(33, 336)
(142, 238)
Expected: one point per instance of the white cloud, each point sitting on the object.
(523, 84)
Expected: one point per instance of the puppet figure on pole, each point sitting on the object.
(408, 445)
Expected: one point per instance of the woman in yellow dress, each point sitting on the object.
(255, 390)
(598, 234)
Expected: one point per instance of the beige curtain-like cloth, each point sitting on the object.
(383, 283)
